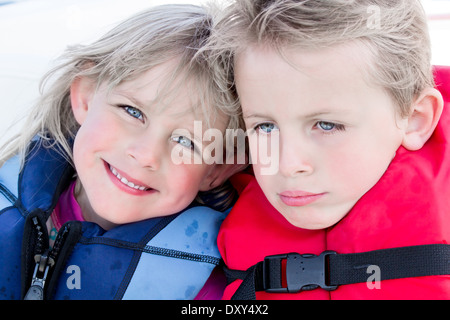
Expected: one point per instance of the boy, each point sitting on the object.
(346, 90)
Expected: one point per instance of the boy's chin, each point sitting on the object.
(311, 219)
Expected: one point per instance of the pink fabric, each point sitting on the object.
(214, 286)
(67, 208)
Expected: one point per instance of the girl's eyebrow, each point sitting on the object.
(134, 100)
(131, 97)
(253, 115)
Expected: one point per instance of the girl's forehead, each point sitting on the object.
(153, 76)
(181, 102)
(174, 88)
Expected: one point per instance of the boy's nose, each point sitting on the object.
(294, 158)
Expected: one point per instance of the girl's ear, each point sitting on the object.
(426, 112)
(81, 92)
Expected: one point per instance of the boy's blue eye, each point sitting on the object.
(135, 113)
(330, 126)
(266, 127)
(326, 126)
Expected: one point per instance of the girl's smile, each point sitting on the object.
(125, 183)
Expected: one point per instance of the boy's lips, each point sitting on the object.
(125, 182)
(299, 198)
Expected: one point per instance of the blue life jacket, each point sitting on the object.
(161, 258)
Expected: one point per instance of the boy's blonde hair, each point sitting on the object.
(140, 43)
(394, 32)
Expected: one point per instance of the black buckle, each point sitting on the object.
(303, 272)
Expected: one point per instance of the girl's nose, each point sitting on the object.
(147, 151)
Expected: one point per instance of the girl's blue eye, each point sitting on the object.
(135, 113)
(185, 142)
(266, 127)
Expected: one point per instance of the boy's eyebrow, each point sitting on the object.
(252, 115)
(306, 116)
(318, 113)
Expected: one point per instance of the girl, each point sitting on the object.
(104, 210)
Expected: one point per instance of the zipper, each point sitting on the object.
(45, 259)
(172, 253)
(43, 265)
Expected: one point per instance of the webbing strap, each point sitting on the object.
(395, 263)
(329, 270)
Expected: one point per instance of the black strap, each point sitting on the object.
(329, 269)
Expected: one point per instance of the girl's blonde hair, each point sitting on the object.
(138, 44)
(394, 32)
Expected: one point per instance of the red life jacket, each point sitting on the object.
(410, 205)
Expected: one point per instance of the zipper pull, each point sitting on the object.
(43, 264)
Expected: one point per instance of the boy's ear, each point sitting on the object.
(219, 173)
(81, 91)
(426, 112)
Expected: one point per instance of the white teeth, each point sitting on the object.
(125, 181)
